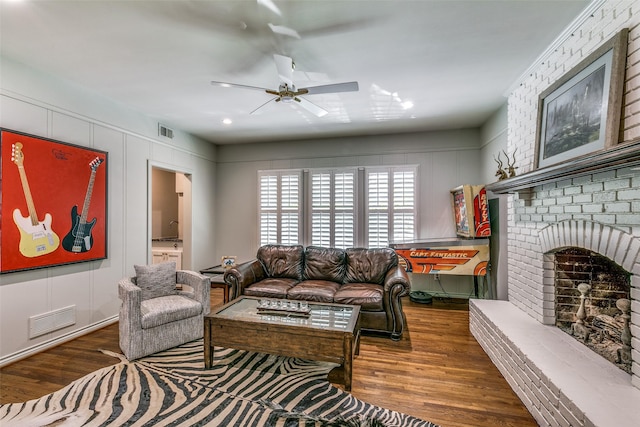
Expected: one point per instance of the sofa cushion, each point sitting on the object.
(282, 261)
(324, 264)
(368, 296)
(162, 310)
(271, 288)
(314, 290)
(369, 265)
(156, 280)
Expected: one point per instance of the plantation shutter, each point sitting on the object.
(403, 206)
(333, 208)
(391, 205)
(280, 207)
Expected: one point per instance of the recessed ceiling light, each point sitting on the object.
(227, 121)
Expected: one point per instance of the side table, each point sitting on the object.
(216, 275)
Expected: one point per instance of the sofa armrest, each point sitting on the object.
(396, 285)
(200, 284)
(397, 276)
(243, 275)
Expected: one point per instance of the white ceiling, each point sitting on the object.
(454, 60)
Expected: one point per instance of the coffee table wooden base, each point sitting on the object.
(285, 340)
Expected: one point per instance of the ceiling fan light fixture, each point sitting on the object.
(407, 105)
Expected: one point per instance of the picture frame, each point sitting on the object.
(580, 113)
(228, 262)
(53, 202)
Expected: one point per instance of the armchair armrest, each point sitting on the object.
(200, 284)
(131, 296)
(243, 275)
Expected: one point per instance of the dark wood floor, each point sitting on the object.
(437, 372)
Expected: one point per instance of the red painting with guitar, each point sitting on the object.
(43, 183)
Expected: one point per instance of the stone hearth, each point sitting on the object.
(560, 381)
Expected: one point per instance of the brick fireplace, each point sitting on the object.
(575, 218)
(589, 204)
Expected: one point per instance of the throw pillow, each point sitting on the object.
(156, 280)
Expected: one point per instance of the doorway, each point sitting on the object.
(170, 216)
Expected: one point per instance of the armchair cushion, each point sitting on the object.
(167, 309)
(156, 280)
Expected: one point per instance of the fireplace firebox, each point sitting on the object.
(590, 289)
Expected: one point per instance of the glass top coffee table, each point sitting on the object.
(329, 332)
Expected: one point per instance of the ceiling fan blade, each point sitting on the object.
(311, 107)
(258, 110)
(284, 64)
(332, 88)
(224, 84)
(285, 31)
(269, 4)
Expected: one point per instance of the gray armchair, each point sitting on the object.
(156, 314)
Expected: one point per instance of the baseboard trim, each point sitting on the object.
(30, 351)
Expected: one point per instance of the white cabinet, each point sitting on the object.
(159, 256)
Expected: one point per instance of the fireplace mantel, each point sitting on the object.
(622, 155)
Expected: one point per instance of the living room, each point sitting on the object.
(224, 185)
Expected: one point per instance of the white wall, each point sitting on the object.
(446, 159)
(494, 141)
(38, 104)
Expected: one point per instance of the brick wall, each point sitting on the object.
(611, 197)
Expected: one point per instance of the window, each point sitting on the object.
(280, 213)
(391, 208)
(333, 208)
(386, 201)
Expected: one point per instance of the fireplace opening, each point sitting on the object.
(593, 303)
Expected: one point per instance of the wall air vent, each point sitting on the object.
(165, 131)
(52, 321)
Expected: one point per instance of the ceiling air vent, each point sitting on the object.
(165, 131)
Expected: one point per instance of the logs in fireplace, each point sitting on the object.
(592, 303)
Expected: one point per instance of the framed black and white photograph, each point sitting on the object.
(580, 113)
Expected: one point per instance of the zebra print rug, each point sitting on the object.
(172, 388)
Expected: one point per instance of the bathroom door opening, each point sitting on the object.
(170, 216)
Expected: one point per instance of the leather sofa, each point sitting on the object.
(370, 278)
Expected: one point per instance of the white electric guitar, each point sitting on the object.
(36, 237)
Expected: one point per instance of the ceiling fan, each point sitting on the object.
(287, 92)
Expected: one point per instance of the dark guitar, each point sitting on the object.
(79, 239)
